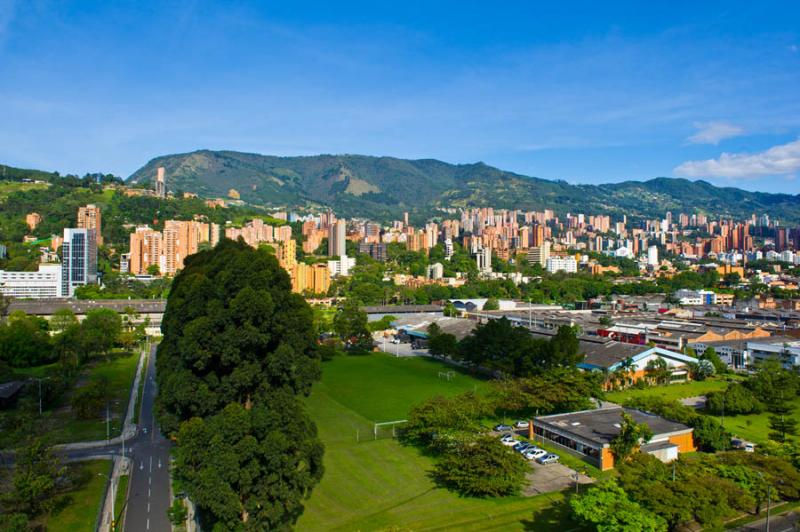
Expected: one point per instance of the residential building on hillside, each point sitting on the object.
(161, 183)
(89, 218)
(33, 220)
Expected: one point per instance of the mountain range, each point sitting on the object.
(383, 187)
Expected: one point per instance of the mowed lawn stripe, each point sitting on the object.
(373, 485)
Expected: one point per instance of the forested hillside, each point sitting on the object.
(383, 187)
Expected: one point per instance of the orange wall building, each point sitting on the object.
(588, 434)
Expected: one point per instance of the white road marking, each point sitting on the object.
(148, 507)
(149, 480)
(141, 466)
(148, 493)
(148, 523)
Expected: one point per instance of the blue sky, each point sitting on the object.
(585, 92)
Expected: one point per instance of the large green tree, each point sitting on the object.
(482, 466)
(238, 351)
(607, 508)
(251, 469)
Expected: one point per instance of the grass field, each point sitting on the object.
(374, 485)
(120, 372)
(78, 510)
(9, 187)
(669, 391)
(754, 427)
(59, 425)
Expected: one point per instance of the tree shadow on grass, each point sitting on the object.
(557, 517)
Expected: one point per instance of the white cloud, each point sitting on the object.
(714, 132)
(778, 160)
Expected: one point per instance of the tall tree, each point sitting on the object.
(238, 350)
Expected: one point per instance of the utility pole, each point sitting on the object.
(108, 425)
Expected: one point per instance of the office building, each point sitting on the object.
(79, 260)
(539, 254)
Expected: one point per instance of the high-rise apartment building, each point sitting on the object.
(337, 235)
(145, 250)
(79, 260)
(89, 218)
(161, 184)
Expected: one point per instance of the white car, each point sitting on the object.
(521, 424)
(534, 454)
(509, 440)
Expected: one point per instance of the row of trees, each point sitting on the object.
(500, 346)
(32, 341)
(650, 495)
(237, 355)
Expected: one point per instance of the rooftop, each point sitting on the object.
(601, 426)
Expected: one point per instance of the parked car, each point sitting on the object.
(522, 446)
(534, 454)
(509, 440)
(503, 428)
(521, 424)
(548, 459)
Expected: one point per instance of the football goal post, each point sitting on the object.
(387, 429)
(447, 375)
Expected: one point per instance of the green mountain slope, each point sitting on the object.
(383, 187)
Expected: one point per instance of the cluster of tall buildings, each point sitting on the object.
(164, 252)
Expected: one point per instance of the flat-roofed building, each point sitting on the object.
(589, 434)
(44, 283)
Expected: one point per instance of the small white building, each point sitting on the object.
(341, 266)
(561, 264)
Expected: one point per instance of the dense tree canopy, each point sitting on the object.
(238, 351)
(233, 331)
(498, 345)
(608, 508)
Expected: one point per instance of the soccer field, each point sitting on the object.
(378, 484)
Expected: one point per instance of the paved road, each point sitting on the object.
(149, 484)
(149, 453)
(783, 523)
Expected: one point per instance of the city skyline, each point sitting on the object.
(586, 95)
